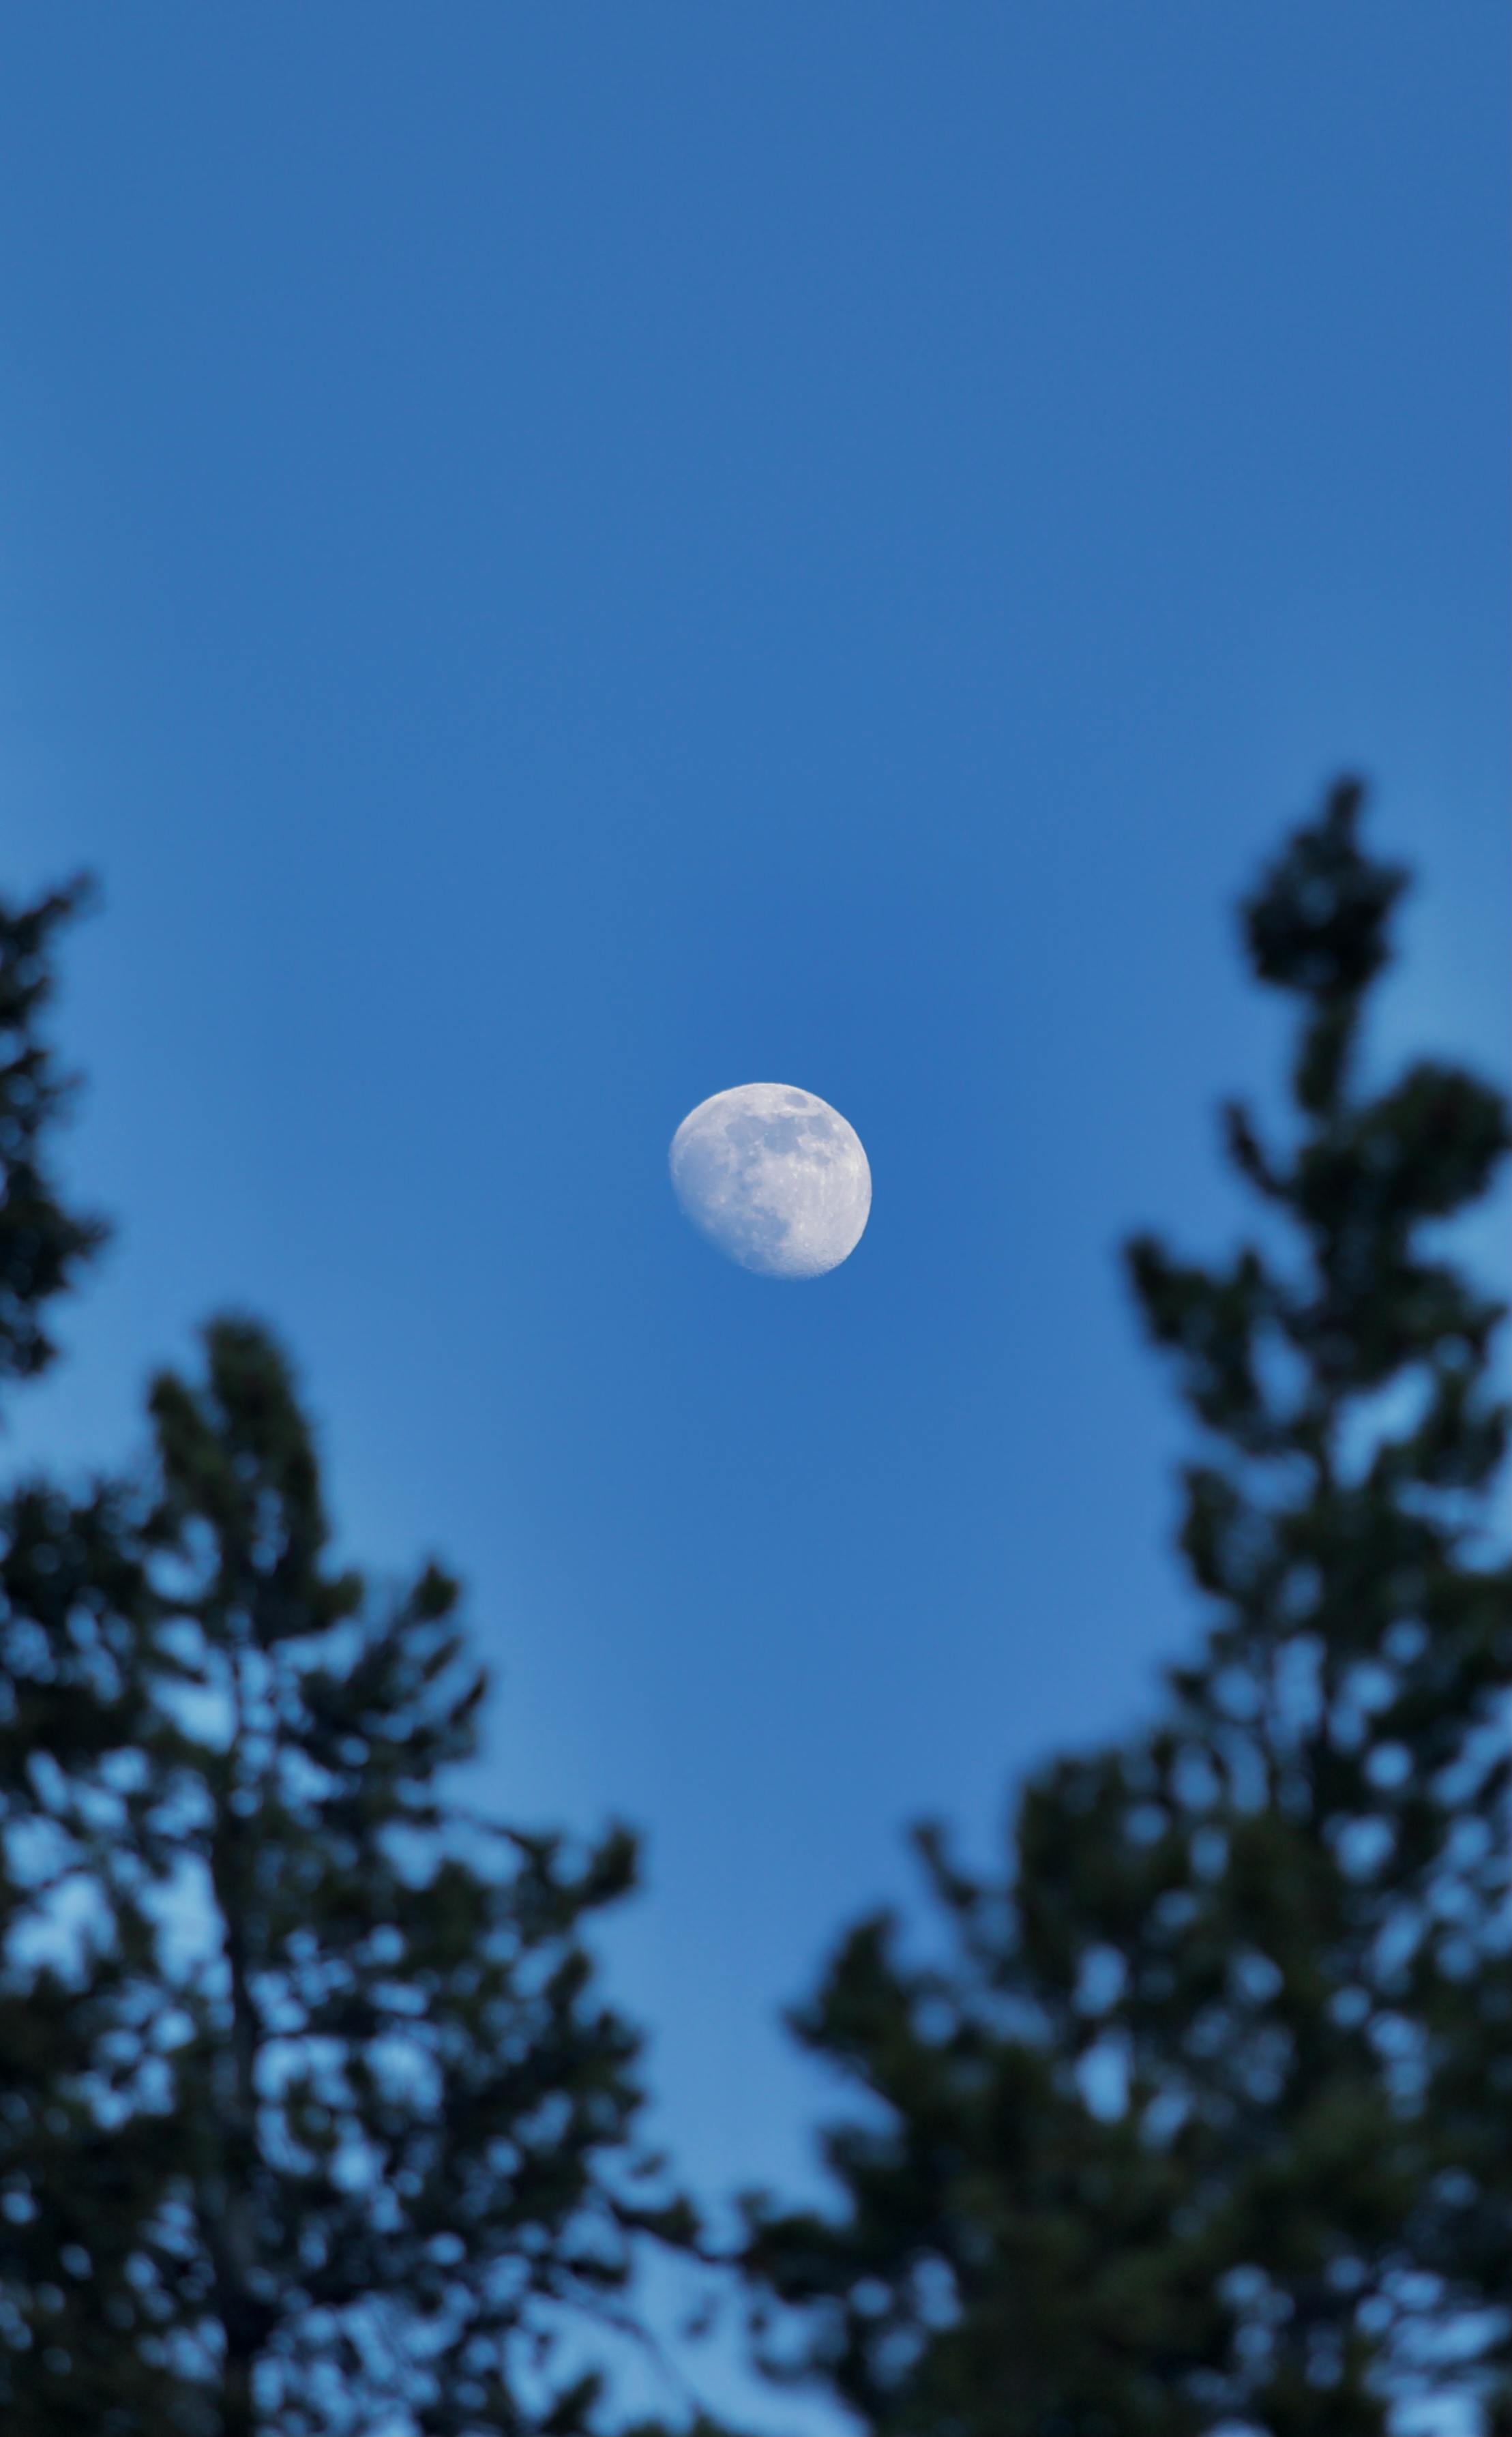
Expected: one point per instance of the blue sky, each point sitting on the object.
(560, 558)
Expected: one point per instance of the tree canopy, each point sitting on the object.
(312, 2119)
(1193, 2114)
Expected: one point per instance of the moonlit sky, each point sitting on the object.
(559, 559)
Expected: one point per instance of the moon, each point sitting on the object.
(775, 1177)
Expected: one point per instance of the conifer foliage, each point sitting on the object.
(41, 1241)
(1200, 2123)
(408, 2121)
(311, 2120)
(75, 2178)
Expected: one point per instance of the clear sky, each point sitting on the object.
(561, 558)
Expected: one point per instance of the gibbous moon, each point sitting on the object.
(775, 1177)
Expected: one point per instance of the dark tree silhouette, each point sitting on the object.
(41, 1241)
(311, 2120)
(1202, 2122)
(74, 2182)
(403, 2119)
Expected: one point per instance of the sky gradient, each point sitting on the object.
(560, 560)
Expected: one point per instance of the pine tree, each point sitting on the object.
(1201, 2121)
(43, 1243)
(75, 2184)
(312, 2117)
(403, 2118)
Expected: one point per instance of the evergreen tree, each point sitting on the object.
(76, 2182)
(311, 2120)
(1201, 2121)
(41, 1241)
(403, 2119)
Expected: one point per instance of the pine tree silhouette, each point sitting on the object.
(1204, 2122)
(312, 2120)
